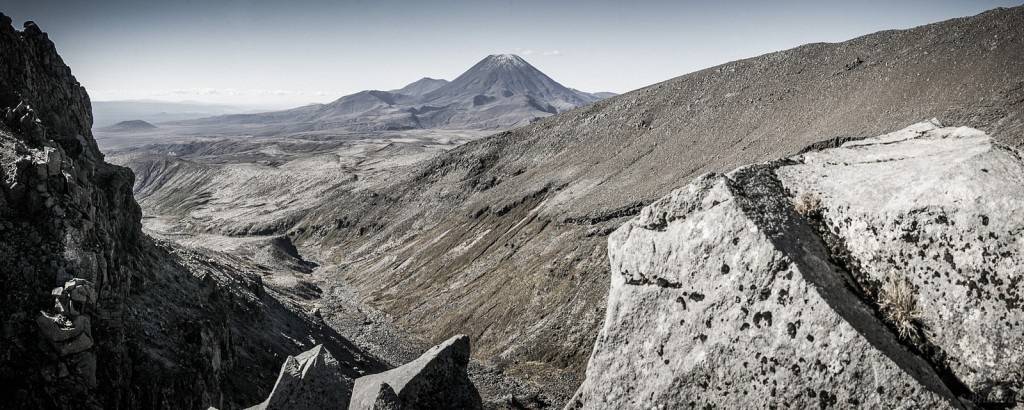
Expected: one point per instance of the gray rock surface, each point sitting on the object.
(723, 294)
(311, 380)
(436, 380)
(940, 208)
(387, 399)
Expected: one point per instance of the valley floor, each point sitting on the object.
(239, 196)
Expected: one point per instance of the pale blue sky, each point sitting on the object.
(267, 52)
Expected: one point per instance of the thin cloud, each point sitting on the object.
(227, 92)
(532, 52)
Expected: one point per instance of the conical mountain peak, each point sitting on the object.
(499, 91)
(505, 60)
(508, 76)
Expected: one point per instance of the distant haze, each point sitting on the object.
(277, 53)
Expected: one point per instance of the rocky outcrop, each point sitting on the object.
(436, 380)
(311, 380)
(68, 224)
(881, 274)
(94, 314)
(67, 330)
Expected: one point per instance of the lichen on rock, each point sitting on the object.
(772, 307)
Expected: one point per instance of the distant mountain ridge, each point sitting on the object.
(420, 87)
(501, 91)
(130, 125)
(107, 113)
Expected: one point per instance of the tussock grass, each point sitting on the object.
(808, 205)
(898, 305)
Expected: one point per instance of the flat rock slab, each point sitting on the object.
(722, 294)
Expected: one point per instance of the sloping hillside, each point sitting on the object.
(504, 238)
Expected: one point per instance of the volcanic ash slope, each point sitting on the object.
(523, 216)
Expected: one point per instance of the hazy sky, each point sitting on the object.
(293, 52)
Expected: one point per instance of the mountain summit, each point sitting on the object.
(508, 76)
(499, 92)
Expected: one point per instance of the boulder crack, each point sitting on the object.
(764, 199)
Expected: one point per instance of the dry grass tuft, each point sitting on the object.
(899, 308)
(807, 205)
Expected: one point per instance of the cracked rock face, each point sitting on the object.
(311, 380)
(436, 380)
(67, 223)
(940, 208)
(723, 294)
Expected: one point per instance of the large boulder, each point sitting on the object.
(435, 380)
(884, 273)
(311, 380)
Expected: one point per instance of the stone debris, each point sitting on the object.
(436, 380)
(67, 331)
(67, 328)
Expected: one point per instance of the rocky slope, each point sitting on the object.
(499, 92)
(773, 285)
(504, 238)
(261, 186)
(95, 314)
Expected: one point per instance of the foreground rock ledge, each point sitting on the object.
(723, 294)
(311, 380)
(436, 380)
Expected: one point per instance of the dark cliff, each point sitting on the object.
(94, 313)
